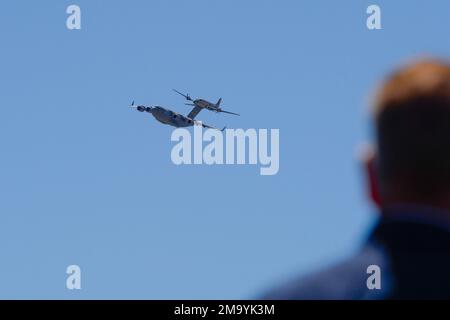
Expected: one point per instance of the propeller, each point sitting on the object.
(184, 95)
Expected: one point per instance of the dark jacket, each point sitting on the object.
(414, 261)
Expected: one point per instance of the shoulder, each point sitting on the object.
(344, 280)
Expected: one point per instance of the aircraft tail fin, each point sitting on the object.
(219, 102)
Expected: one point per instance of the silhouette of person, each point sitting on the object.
(408, 175)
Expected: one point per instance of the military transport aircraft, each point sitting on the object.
(200, 104)
(172, 118)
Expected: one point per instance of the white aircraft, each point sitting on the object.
(172, 118)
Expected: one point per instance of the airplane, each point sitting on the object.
(200, 104)
(171, 118)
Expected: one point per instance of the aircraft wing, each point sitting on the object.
(194, 112)
(236, 114)
(209, 127)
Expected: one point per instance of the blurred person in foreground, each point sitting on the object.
(408, 176)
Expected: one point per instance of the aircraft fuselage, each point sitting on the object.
(168, 117)
(171, 118)
(205, 104)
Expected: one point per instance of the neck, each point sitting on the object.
(417, 211)
(398, 196)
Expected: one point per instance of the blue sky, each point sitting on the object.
(86, 181)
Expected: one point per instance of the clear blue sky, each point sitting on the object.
(86, 181)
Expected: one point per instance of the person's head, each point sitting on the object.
(411, 164)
